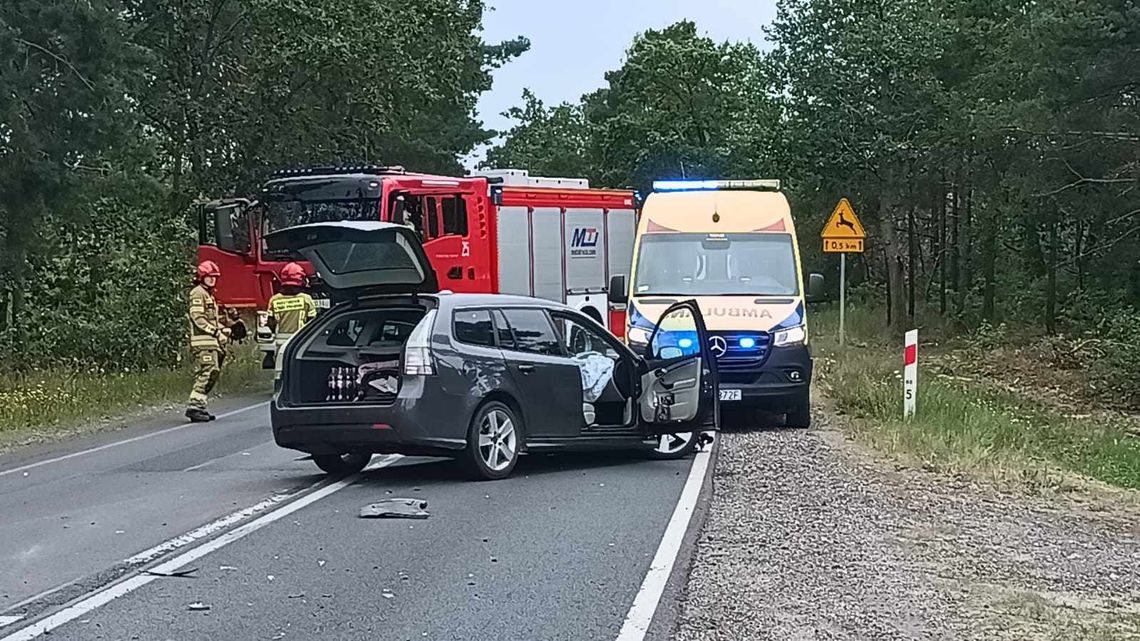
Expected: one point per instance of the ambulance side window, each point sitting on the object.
(454, 216)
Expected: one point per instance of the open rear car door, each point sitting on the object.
(354, 258)
(679, 392)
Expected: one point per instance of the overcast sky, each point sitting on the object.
(573, 45)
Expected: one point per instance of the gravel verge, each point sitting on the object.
(811, 537)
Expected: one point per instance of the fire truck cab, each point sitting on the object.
(501, 231)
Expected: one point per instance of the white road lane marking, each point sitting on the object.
(140, 437)
(649, 595)
(9, 620)
(105, 595)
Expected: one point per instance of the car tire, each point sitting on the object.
(342, 464)
(799, 416)
(668, 447)
(494, 441)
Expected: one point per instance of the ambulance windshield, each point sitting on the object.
(671, 264)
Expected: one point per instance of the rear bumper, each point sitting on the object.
(411, 425)
(779, 384)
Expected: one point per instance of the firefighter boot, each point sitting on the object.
(198, 415)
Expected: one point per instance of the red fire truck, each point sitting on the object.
(501, 231)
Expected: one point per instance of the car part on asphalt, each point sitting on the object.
(180, 574)
(198, 606)
(673, 446)
(396, 509)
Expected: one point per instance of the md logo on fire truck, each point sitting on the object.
(584, 242)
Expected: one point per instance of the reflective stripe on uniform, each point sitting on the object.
(291, 304)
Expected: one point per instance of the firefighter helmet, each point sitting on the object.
(208, 268)
(293, 274)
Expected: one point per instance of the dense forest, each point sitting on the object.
(992, 148)
(115, 115)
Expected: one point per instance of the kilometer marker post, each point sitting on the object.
(910, 373)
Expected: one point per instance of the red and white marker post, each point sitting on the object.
(910, 373)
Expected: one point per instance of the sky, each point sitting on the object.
(575, 42)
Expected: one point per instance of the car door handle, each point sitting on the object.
(526, 369)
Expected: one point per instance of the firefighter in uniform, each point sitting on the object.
(289, 310)
(208, 337)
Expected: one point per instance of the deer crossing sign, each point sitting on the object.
(843, 233)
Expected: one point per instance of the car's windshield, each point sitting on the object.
(716, 264)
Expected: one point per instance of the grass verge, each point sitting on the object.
(963, 426)
(44, 405)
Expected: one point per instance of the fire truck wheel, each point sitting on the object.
(342, 464)
(672, 446)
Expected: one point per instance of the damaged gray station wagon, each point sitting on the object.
(398, 367)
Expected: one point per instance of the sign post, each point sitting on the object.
(843, 234)
(910, 373)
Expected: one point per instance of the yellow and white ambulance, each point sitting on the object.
(731, 246)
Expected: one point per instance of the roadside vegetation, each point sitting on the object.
(990, 404)
(43, 405)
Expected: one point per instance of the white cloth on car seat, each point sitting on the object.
(597, 370)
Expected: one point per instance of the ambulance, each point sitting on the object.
(731, 246)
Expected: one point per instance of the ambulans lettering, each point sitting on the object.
(584, 242)
(740, 312)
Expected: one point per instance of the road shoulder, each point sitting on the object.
(810, 536)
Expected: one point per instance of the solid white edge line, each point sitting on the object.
(134, 439)
(112, 592)
(648, 597)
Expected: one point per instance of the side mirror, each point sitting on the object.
(619, 289)
(815, 287)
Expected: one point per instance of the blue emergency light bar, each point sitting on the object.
(714, 185)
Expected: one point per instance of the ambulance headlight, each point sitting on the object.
(792, 336)
(638, 335)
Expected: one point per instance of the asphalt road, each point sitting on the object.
(557, 551)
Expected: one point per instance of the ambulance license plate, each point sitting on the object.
(730, 395)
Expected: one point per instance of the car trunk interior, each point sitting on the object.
(354, 357)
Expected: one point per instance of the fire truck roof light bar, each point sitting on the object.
(340, 169)
(713, 185)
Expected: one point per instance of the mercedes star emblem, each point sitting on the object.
(718, 345)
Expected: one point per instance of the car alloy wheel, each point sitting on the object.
(498, 442)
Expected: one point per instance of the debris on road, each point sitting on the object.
(177, 574)
(387, 594)
(396, 509)
(226, 567)
(297, 595)
(197, 606)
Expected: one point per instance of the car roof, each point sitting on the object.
(497, 300)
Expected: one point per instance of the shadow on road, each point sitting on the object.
(437, 470)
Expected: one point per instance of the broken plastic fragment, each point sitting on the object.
(198, 606)
(396, 509)
(178, 574)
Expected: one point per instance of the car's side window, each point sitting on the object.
(503, 329)
(579, 338)
(474, 327)
(533, 332)
(344, 333)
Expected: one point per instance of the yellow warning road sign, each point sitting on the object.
(843, 232)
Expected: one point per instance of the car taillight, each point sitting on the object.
(418, 359)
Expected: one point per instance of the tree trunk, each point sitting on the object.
(966, 241)
(1080, 260)
(941, 249)
(1051, 279)
(912, 264)
(894, 253)
(956, 245)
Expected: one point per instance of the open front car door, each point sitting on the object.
(679, 392)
